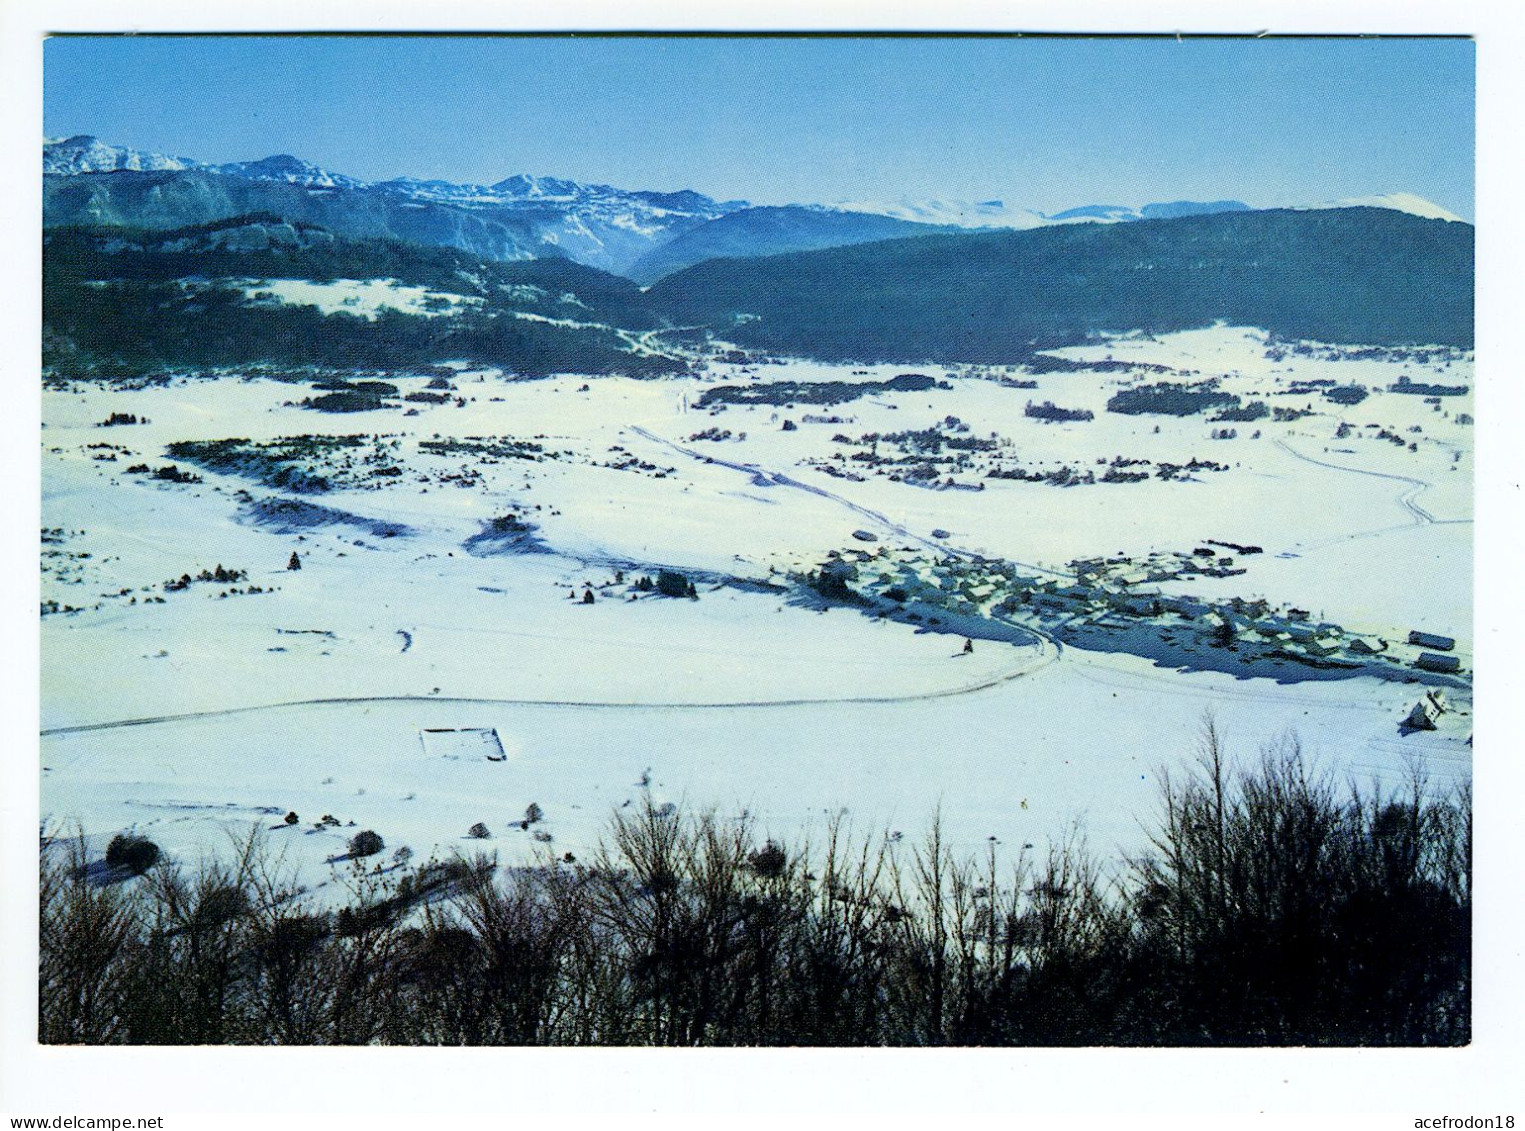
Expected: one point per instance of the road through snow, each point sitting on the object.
(766, 478)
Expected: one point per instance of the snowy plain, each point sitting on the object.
(193, 716)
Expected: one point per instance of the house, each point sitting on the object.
(1434, 662)
(1253, 609)
(1429, 640)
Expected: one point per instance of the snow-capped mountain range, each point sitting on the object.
(85, 154)
(520, 217)
(526, 216)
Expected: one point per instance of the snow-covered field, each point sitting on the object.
(364, 298)
(195, 709)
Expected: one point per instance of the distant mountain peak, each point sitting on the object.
(947, 213)
(998, 214)
(1111, 212)
(1170, 210)
(541, 188)
(1174, 208)
(282, 163)
(291, 170)
(518, 217)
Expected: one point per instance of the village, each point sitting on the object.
(1116, 604)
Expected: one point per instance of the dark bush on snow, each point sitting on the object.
(135, 853)
(671, 583)
(1346, 394)
(366, 843)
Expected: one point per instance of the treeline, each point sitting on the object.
(136, 329)
(1272, 909)
(1170, 399)
(129, 302)
(292, 249)
(1338, 275)
(263, 245)
(815, 392)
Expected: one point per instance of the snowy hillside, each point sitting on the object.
(1395, 201)
(517, 217)
(289, 170)
(997, 214)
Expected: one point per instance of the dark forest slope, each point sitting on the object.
(1340, 275)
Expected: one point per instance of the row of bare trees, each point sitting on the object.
(1273, 908)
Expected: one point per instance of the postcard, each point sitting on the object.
(832, 540)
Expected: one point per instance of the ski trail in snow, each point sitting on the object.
(1167, 681)
(1405, 500)
(1048, 653)
(1418, 515)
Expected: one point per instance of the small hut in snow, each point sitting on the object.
(1431, 640)
(1422, 717)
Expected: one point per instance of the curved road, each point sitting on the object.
(1049, 651)
(1418, 515)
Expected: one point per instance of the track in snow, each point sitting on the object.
(1048, 652)
(1418, 515)
(1405, 500)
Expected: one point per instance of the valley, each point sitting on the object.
(482, 551)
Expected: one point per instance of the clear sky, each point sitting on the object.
(1039, 123)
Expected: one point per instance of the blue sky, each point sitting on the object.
(1039, 123)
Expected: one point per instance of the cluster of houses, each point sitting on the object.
(1108, 601)
(1433, 660)
(1123, 572)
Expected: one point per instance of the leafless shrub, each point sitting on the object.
(1271, 908)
